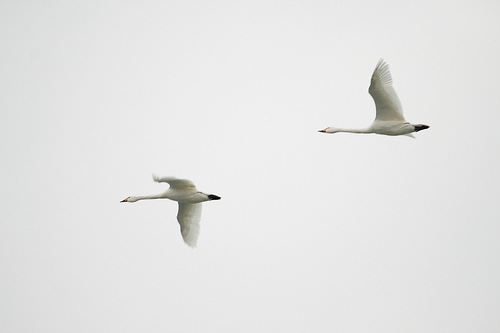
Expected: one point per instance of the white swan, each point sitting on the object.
(189, 198)
(389, 119)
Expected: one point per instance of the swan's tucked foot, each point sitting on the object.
(420, 127)
(213, 197)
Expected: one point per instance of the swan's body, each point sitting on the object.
(189, 198)
(389, 118)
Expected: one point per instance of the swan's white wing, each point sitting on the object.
(189, 217)
(174, 182)
(386, 101)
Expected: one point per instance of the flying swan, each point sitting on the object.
(189, 198)
(389, 119)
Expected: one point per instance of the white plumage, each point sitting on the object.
(189, 198)
(389, 118)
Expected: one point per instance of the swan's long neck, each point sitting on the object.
(151, 196)
(354, 130)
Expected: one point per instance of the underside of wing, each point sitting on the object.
(189, 217)
(386, 100)
(174, 182)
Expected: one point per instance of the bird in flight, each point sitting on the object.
(189, 198)
(389, 118)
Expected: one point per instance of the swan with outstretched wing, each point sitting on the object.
(189, 198)
(389, 119)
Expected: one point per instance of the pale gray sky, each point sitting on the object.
(314, 232)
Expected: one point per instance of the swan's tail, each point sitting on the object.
(213, 197)
(420, 127)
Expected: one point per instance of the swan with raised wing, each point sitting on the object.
(389, 118)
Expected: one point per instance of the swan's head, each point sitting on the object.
(329, 130)
(129, 199)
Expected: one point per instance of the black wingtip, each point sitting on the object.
(213, 197)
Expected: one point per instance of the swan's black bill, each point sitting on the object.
(124, 200)
(213, 197)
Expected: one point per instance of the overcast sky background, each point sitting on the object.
(314, 232)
